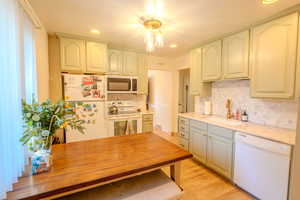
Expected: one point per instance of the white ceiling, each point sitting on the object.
(187, 22)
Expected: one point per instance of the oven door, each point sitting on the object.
(124, 126)
(118, 84)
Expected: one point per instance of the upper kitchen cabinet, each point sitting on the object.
(235, 56)
(81, 56)
(211, 61)
(197, 87)
(115, 61)
(142, 74)
(96, 57)
(273, 58)
(72, 53)
(130, 63)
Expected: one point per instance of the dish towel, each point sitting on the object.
(129, 128)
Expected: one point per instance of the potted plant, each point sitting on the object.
(42, 120)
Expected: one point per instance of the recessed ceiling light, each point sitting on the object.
(268, 1)
(173, 45)
(95, 31)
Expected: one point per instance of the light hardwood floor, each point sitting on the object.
(201, 183)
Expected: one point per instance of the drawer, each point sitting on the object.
(198, 125)
(183, 121)
(183, 143)
(148, 117)
(220, 131)
(147, 127)
(184, 135)
(183, 128)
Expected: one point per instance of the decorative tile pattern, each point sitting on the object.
(277, 113)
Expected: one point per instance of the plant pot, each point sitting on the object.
(41, 161)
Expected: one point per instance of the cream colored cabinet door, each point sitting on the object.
(198, 144)
(235, 56)
(211, 61)
(142, 74)
(96, 57)
(273, 58)
(72, 53)
(219, 155)
(130, 64)
(197, 87)
(115, 61)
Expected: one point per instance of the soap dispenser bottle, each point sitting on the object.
(244, 116)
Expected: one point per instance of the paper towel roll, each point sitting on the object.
(207, 107)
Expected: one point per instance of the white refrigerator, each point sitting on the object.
(88, 89)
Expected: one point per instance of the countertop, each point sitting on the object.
(281, 135)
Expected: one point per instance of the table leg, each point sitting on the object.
(175, 172)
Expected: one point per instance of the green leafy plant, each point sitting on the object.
(43, 119)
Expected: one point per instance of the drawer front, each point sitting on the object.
(183, 122)
(184, 135)
(183, 143)
(198, 125)
(147, 127)
(220, 131)
(148, 117)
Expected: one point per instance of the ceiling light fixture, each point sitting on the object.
(153, 34)
(173, 45)
(95, 31)
(268, 1)
(153, 25)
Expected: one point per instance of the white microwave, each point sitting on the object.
(121, 84)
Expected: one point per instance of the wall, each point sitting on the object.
(161, 98)
(42, 65)
(277, 113)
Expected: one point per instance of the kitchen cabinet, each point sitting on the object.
(183, 135)
(130, 63)
(96, 57)
(220, 150)
(81, 56)
(235, 56)
(115, 61)
(273, 58)
(197, 86)
(147, 123)
(72, 53)
(142, 74)
(198, 144)
(211, 61)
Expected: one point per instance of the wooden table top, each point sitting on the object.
(86, 163)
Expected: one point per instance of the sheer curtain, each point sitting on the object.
(17, 81)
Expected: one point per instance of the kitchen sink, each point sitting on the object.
(229, 122)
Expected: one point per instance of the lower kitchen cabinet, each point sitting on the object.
(147, 123)
(220, 155)
(198, 144)
(212, 145)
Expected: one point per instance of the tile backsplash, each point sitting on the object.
(277, 113)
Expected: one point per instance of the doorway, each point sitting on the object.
(186, 100)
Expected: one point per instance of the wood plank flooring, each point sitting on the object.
(201, 183)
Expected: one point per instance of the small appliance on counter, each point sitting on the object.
(207, 108)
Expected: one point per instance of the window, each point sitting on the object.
(17, 81)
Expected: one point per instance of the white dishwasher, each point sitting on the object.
(262, 167)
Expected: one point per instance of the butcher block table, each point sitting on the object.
(83, 165)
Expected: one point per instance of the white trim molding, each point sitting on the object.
(31, 13)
